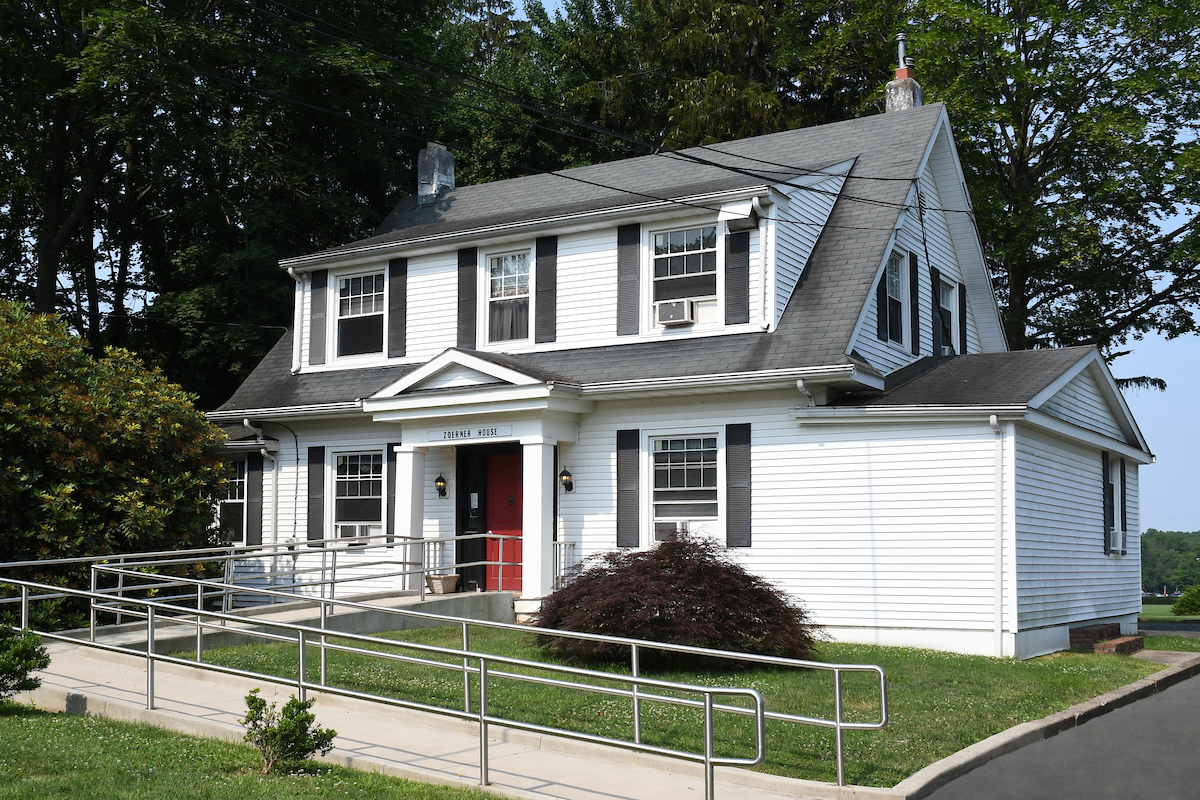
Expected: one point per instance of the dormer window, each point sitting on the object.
(360, 315)
(508, 297)
(685, 264)
(895, 298)
(946, 306)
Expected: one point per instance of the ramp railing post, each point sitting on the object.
(634, 661)
(150, 657)
(466, 645)
(483, 726)
(24, 607)
(323, 665)
(837, 726)
(301, 670)
(92, 608)
(199, 622)
(709, 788)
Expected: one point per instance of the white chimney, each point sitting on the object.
(904, 92)
(435, 173)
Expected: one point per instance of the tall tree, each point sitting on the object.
(181, 149)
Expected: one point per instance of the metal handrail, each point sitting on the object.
(637, 646)
(482, 672)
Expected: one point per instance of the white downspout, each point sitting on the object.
(998, 579)
(766, 241)
(296, 310)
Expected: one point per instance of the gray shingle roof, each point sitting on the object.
(817, 325)
(977, 379)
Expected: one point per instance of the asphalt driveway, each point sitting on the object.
(1189, 629)
(1147, 749)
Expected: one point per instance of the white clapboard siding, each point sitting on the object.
(432, 310)
(855, 523)
(1064, 574)
(799, 221)
(1081, 403)
(587, 288)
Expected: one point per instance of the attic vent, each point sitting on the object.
(435, 173)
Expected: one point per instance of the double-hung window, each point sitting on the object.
(895, 297)
(233, 506)
(685, 264)
(508, 297)
(358, 495)
(946, 306)
(685, 482)
(360, 314)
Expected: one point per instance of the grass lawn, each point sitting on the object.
(939, 702)
(54, 755)
(1162, 614)
(1185, 644)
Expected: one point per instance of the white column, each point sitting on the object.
(537, 517)
(410, 503)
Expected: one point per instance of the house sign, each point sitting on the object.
(489, 432)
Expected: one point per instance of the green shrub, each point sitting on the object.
(1188, 603)
(284, 737)
(687, 591)
(21, 653)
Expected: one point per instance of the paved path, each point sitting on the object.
(1188, 629)
(1147, 749)
(424, 747)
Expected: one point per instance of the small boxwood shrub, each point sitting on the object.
(284, 737)
(21, 653)
(685, 591)
(1188, 603)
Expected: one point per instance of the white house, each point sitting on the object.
(788, 342)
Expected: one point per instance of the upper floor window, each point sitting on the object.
(685, 264)
(360, 315)
(946, 306)
(508, 297)
(233, 506)
(894, 279)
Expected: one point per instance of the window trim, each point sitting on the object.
(331, 484)
(901, 259)
(648, 316)
(333, 309)
(713, 527)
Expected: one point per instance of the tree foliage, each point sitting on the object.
(1170, 559)
(97, 456)
(1188, 604)
(177, 151)
(686, 591)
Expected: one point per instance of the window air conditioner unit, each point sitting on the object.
(674, 312)
(947, 350)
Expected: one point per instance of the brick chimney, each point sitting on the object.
(904, 92)
(435, 173)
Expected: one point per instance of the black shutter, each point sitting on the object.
(546, 284)
(737, 485)
(1124, 506)
(914, 297)
(397, 306)
(254, 498)
(935, 309)
(316, 317)
(629, 267)
(468, 269)
(881, 308)
(1108, 501)
(316, 493)
(737, 278)
(962, 319)
(389, 524)
(628, 454)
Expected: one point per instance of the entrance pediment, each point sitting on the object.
(454, 369)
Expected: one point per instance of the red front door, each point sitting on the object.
(504, 518)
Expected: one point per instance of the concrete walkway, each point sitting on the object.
(374, 737)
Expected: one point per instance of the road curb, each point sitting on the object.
(925, 781)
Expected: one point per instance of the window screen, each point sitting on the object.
(685, 263)
(508, 297)
(685, 478)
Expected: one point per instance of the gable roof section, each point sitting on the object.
(1072, 384)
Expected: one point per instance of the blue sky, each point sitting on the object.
(1170, 489)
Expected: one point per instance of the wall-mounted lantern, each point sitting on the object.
(440, 484)
(567, 482)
